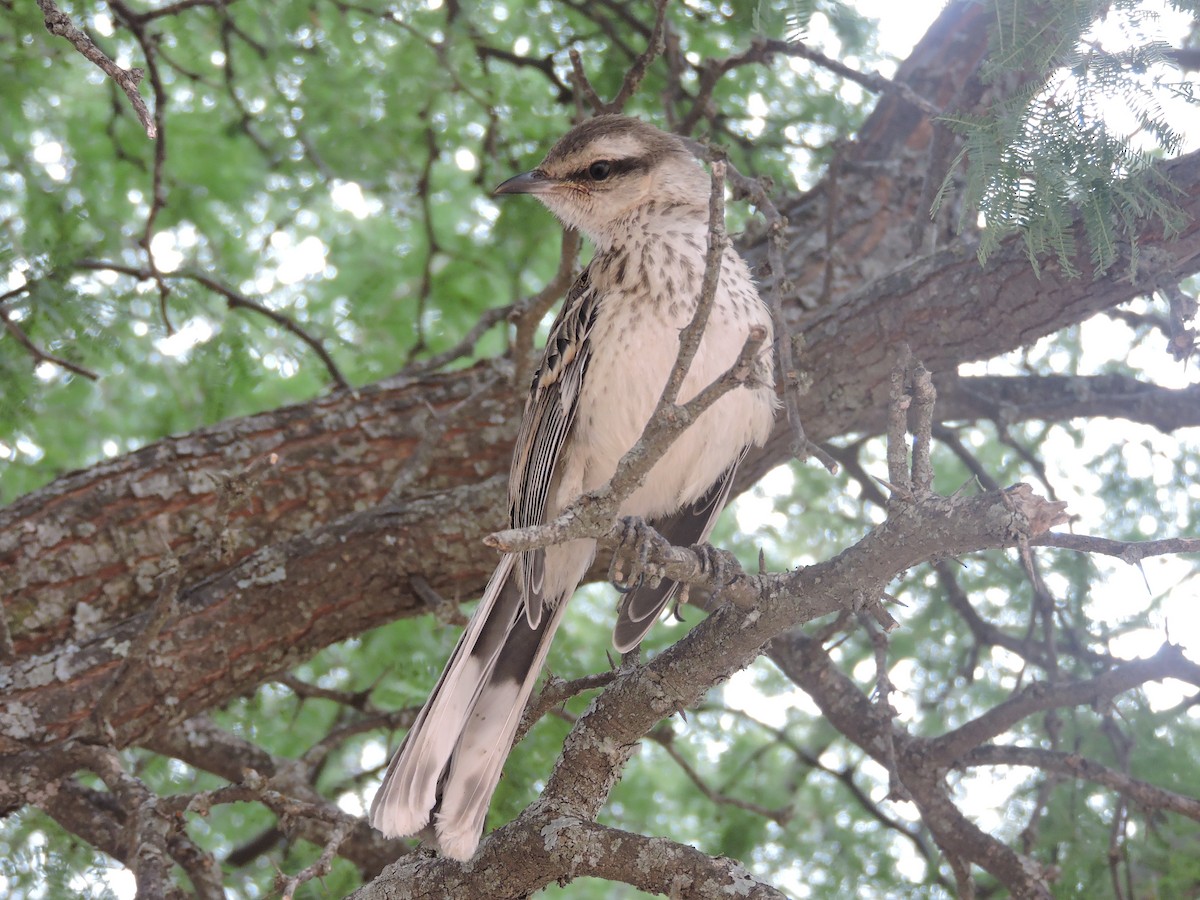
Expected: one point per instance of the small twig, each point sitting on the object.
(39, 355)
(950, 439)
(883, 710)
(693, 333)
(665, 739)
(173, 9)
(234, 300)
(8, 652)
(556, 693)
(323, 864)
(755, 192)
(148, 42)
(582, 85)
(315, 755)
(358, 700)
(635, 74)
(443, 610)
(58, 23)
(433, 429)
(1074, 765)
(924, 397)
(146, 826)
(833, 182)
(487, 321)
(432, 247)
(1181, 339)
(160, 613)
(872, 81)
(1131, 552)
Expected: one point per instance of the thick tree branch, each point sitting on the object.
(550, 845)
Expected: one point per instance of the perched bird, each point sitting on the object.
(642, 199)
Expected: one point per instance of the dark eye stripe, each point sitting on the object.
(615, 167)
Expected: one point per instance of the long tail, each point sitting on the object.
(448, 767)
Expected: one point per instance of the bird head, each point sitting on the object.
(602, 171)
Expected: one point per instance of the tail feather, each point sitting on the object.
(488, 735)
(447, 769)
(405, 801)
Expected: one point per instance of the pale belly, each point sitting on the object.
(622, 388)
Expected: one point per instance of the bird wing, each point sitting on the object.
(549, 414)
(692, 524)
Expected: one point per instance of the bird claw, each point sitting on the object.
(625, 588)
(633, 549)
(718, 566)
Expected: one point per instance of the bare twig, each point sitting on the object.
(160, 613)
(58, 23)
(443, 610)
(636, 72)
(762, 50)
(1131, 552)
(664, 737)
(234, 300)
(883, 710)
(584, 87)
(323, 864)
(432, 247)
(39, 355)
(557, 692)
(899, 474)
(488, 320)
(924, 397)
(1168, 662)
(1181, 338)
(1143, 793)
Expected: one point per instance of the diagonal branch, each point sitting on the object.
(1147, 795)
(1168, 662)
(39, 355)
(59, 23)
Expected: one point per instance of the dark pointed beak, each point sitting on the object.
(535, 182)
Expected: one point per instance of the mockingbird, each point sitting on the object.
(642, 198)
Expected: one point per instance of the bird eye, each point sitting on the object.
(598, 171)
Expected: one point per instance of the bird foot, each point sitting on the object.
(718, 566)
(631, 566)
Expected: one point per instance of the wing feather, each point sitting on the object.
(549, 415)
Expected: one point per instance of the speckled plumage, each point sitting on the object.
(640, 196)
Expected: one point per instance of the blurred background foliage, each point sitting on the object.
(333, 161)
(314, 164)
